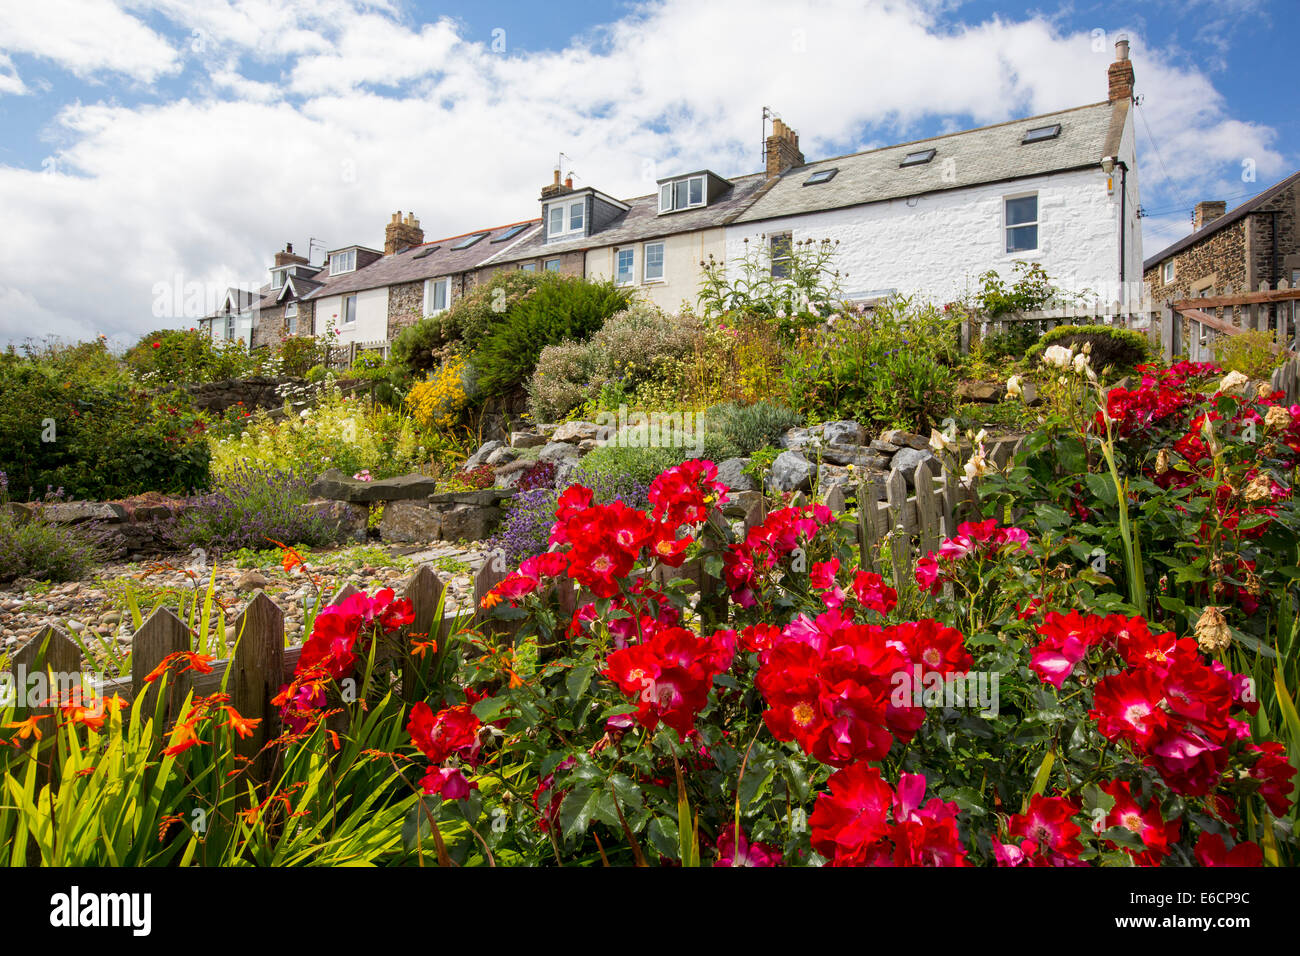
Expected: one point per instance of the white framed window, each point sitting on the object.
(780, 248)
(437, 295)
(291, 317)
(551, 265)
(653, 269)
(349, 310)
(625, 266)
(1168, 271)
(528, 267)
(566, 218)
(681, 194)
(230, 328)
(1020, 223)
(341, 262)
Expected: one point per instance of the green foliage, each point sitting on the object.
(423, 345)
(750, 427)
(169, 356)
(300, 355)
(33, 547)
(1252, 353)
(1114, 348)
(1029, 289)
(611, 464)
(559, 308)
(633, 347)
(797, 290)
(887, 368)
(95, 439)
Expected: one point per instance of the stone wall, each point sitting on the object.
(1219, 260)
(405, 306)
(260, 392)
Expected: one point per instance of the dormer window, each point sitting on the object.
(341, 262)
(566, 218)
(682, 194)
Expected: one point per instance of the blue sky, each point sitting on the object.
(148, 142)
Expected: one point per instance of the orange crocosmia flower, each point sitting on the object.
(183, 738)
(418, 648)
(202, 663)
(27, 728)
(490, 600)
(92, 717)
(244, 726)
(292, 559)
(115, 703)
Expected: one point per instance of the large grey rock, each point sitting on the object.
(347, 520)
(336, 486)
(526, 440)
(791, 471)
(410, 521)
(844, 433)
(739, 503)
(981, 391)
(484, 496)
(829, 476)
(76, 512)
(480, 457)
(566, 471)
(796, 439)
(884, 447)
(855, 455)
(467, 522)
(906, 461)
(502, 456)
(558, 451)
(908, 439)
(731, 473)
(576, 432)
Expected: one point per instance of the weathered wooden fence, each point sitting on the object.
(1174, 327)
(261, 663)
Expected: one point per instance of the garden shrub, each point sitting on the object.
(437, 402)
(169, 356)
(252, 506)
(1253, 353)
(797, 292)
(1117, 349)
(631, 348)
(300, 355)
(33, 547)
(95, 440)
(750, 427)
(611, 464)
(887, 368)
(557, 309)
(347, 433)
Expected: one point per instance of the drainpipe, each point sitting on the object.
(1108, 164)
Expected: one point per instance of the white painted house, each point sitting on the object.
(927, 218)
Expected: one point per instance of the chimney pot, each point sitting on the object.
(1119, 75)
(1121, 48)
(401, 233)
(782, 149)
(568, 182)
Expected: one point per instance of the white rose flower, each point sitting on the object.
(1232, 382)
(1058, 355)
(1013, 386)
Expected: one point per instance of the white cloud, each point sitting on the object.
(86, 37)
(10, 81)
(374, 113)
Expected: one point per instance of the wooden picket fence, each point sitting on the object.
(1174, 327)
(261, 663)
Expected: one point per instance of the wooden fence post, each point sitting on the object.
(899, 545)
(424, 589)
(258, 668)
(52, 653)
(163, 634)
(928, 522)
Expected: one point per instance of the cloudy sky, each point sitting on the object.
(145, 143)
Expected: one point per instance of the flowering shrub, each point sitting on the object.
(437, 402)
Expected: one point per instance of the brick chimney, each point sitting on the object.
(1120, 73)
(782, 149)
(402, 233)
(557, 188)
(288, 257)
(1208, 211)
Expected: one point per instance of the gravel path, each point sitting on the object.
(95, 609)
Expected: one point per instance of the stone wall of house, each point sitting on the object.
(1266, 264)
(571, 264)
(268, 330)
(405, 306)
(1219, 259)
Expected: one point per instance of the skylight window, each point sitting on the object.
(469, 241)
(511, 232)
(821, 176)
(426, 251)
(919, 158)
(1041, 133)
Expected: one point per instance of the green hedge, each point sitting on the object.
(1118, 349)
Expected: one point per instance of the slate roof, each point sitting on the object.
(409, 266)
(1227, 219)
(642, 221)
(989, 154)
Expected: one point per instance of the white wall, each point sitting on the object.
(683, 254)
(935, 246)
(372, 317)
